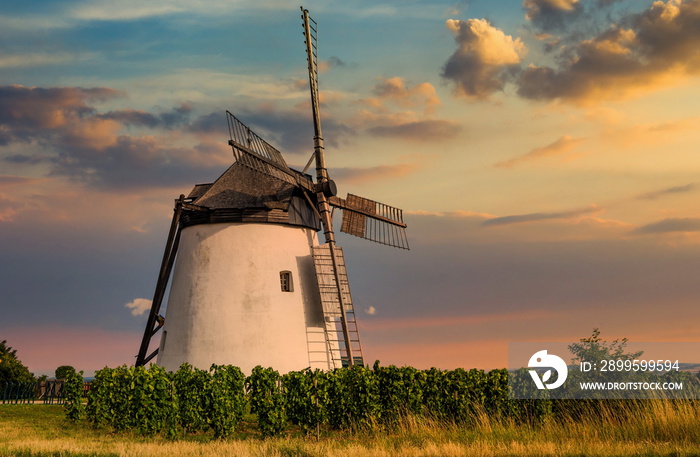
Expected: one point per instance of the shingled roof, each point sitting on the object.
(242, 194)
(242, 187)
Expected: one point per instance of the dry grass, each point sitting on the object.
(660, 429)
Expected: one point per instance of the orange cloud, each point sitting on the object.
(428, 130)
(484, 59)
(382, 117)
(561, 146)
(670, 225)
(668, 191)
(551, 14)
(535, 217)
(79, 142)
(658, 48)
(381, 172)
(655, 133)
(534, 6)
(395, 89)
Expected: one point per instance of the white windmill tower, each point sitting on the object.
(251, 284)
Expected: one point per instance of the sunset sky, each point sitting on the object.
(545, 153)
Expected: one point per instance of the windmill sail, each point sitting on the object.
(252, 151)
(245, 140)
(372, 221)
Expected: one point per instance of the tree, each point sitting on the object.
(11, 368)
(594, 349)
(64, 371)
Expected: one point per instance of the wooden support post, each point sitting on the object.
(162, 283)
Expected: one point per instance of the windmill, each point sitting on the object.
(250, 283)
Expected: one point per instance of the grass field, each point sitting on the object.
(660, 429)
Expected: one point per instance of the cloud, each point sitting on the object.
(480, 281)
(600, 52)
(378, 173)
(174, 118)
(668, 191)
(103, 10)
(93, 148)
(659, 134)
(564, 226)
(638, 54)
(551, 14)
(402, 110)
(139, 306)
(428, 130)
(10, 180)
(31, 110)
(486, 58)
(330, 63)
(535, 217)
(212, 123)
(371, 311)
(36, 59)
(291, 130)
(396, 90)
(9, 208)
(127, 162)
(670, 225)
(562, 146)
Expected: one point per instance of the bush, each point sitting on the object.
(306, 397)
(73, 396)
(267, 400)
(227, 401)
(11, 368)
(151, 401)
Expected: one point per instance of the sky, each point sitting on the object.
(544, 153)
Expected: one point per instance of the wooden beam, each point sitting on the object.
(163, 277)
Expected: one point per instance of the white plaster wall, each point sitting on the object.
(226, 305)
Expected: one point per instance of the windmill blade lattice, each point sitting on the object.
(244, 138)
(252, 151)
(372, 221)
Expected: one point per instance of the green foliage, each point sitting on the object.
(354, 394)
(227, 399)
(134, 398)
(11, 368)
(98, 409)
(400, 391)
(64, 371)
(73, 396)
(150, 401)
(465, 394)
(306, 397)
(154, 403)
(594, 349)
(435, 394)
(537, 408)
(267, 400)
(193, 387)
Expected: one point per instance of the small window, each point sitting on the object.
(286, 281)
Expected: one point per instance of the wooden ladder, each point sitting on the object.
(339, 345)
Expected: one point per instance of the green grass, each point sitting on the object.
(658, 429)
